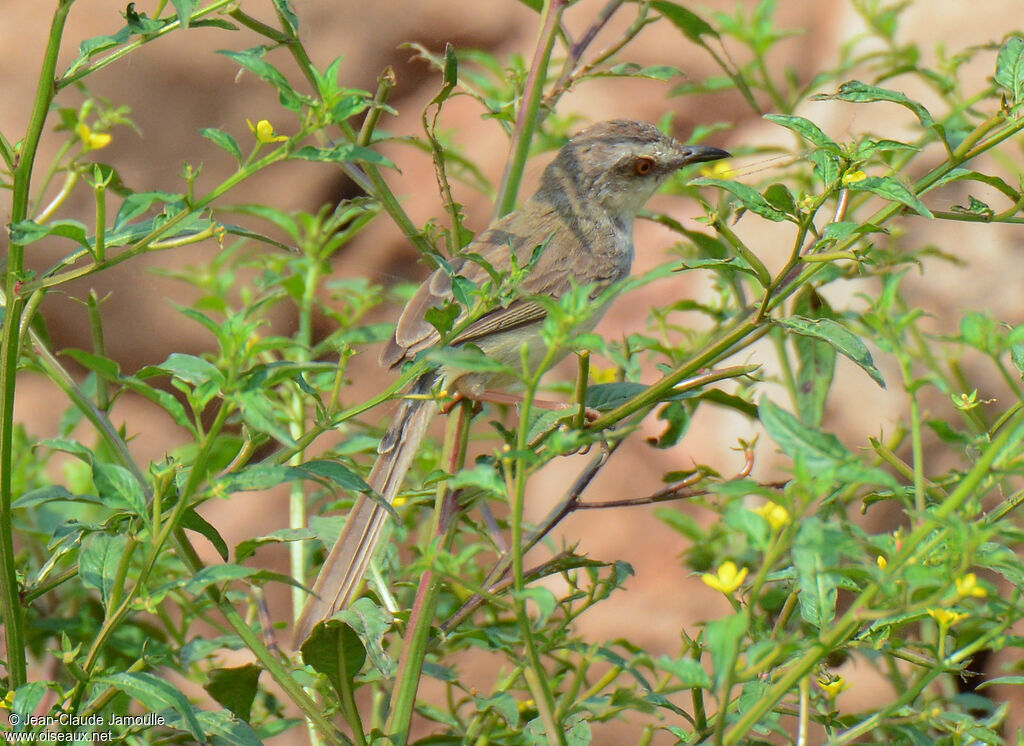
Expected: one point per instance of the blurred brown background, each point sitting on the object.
(178, 85)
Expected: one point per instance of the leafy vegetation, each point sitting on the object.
(98, 573)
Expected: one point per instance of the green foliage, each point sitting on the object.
(101, 583)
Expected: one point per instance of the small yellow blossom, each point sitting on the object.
(91, 140)
(807, 202)
(833, 685)
(727, 579)
(7, 703)
(400, 501)
(264, 132)
(603, 375)
(967, 402)
(852, 177)
(882, 562)
(968, 586)
(945, 617)
(776, 515)
(717, 170)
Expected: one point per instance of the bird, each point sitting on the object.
(577, 229)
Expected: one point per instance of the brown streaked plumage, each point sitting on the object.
(584, 211)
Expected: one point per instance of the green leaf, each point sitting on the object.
(191, 369)
(371, 623)
(340, 474)
(348, 107)
(42, 495)
(605, 397)
(859, 93)
(807, 130)
(235, 688)
(223, 140)
(223, 726)
(1017, 358)
(482, 476)
(999, 681)
(692, 25)
(633, 70)
(975, 207)
(724, 638)
(184, 9)
(261, 415)
(252, 60)
(467, 358)
(106, 367)
(217, 575)
(816, 358)
(98, 562)
(164, 399)
(678, 418)
(841, 338)
(846, 228)
(342, 153)
(1010, 68)
(779, 197)
(690, 672)
(817, 554)
(247, 548)
(141, 23)
(117, 488)
(195, 522)
(155, 694)
(335, 650)
(287, 13)
(995, 182)
(94, 46)
(747, 195)
(449, 77)
(28, 231)
(138, 203)
(73, 447)
(258, 477)
(819, 451)
(892, 189)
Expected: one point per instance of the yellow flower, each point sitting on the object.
(91, 140)
(399, 501)
(833, 685)
(882, 562)
(776, 515)
(945, 617)
(7, 703)
(264, 132)
(727, 579)
(852, 177)
(968, 586)
(603, 375)
(717, 170)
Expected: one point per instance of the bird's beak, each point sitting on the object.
(690, 154)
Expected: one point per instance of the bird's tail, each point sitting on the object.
(342, 572)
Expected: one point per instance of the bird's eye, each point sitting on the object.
(643, 166)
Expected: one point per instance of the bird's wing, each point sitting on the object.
(550, 276)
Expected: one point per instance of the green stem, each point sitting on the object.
(534, 673)
(417, 641)
(10, 603)
(532, 96)
(127, 49)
